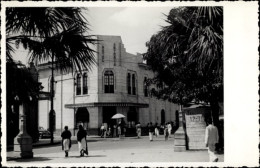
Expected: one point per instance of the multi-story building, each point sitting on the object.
(116, 84)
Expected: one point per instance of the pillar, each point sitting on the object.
(23, 141)
(179, 136)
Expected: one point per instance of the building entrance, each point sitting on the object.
(132, 117)
(108, 112)
(82, 117)
(162, 116)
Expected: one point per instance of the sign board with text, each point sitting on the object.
(195, 126)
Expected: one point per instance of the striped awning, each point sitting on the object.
(103, 104)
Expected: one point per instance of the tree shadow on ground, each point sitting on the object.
(85, 156)
(34, 159)
(96, 156)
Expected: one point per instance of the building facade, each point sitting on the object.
(116, 84)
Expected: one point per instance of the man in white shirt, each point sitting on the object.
(211, 138)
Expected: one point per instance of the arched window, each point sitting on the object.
(145, 87)
(133, 85)
(109, 82)
(78, 85)
(85, 83)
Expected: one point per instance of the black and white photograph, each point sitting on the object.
(126, 84)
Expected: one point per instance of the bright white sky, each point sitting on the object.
(135, 25)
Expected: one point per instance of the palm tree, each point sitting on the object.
(55, 34)
(51, 33)
(188, 53)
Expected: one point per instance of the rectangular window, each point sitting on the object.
(103, 53)
(85, 84)
(78, 85)
(120, 55)
(133, 85)
(128, 83)
(109, 82)
(114, 54)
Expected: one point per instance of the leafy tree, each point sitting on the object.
(22, 85)
(188, 56)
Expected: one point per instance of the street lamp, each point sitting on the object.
(23, 141)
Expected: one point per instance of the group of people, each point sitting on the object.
(114, 131)
(81, 138)
(155, 130)
(211, 137)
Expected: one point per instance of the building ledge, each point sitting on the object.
(103, 104)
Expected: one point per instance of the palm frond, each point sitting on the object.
(69, 49)
(9, 51)
(42, 21)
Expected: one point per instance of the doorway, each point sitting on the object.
(162, 116)
(108, 113)
(132, 117)
(82, 117)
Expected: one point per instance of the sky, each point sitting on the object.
(135, 25)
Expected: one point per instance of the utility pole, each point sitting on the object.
(52, 112)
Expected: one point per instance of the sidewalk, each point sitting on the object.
(127, 150)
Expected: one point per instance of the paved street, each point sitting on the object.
(109, 150)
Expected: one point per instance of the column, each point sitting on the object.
(23, 141)
(179, 136)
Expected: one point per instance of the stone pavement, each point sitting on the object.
(127, 150)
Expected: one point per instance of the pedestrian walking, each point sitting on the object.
(109, 131)
(82, 141)
(151, 131)
(169, 129)
(156, 129)
(66, 140)
(114, 132)
(119, 131)
(162, 126)
(211, 138)
(105, 131)
(123, 127)
(166, 132)
(138, 130)
(102, 131)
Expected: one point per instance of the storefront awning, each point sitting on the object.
(103, 104)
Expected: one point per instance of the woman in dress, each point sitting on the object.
(66, 141)
(82, 141)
